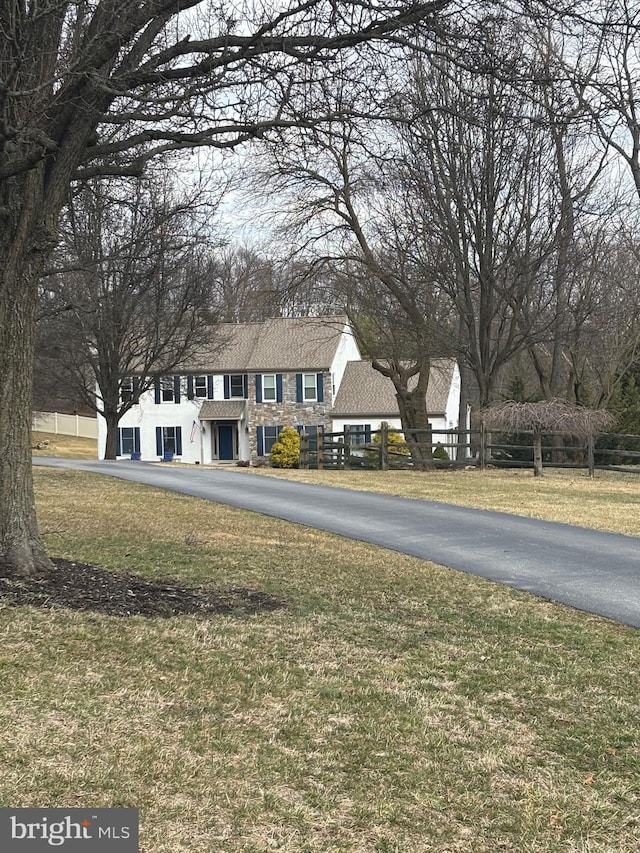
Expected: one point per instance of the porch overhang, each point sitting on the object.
(222, 410)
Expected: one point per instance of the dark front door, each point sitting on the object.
(225, 441)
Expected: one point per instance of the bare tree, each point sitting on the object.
(244, 283)
(348, 213)
(135, 297)
(478, 159)
(99, 88)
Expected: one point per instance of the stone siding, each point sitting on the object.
(288, 412)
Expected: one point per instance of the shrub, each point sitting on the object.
(285, 452)
(439, 452)
(396, 447)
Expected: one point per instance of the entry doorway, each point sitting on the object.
(225, 439)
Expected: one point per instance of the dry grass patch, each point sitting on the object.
(394, 706)
(610, 501)
(67, 446)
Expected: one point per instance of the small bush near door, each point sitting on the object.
(285, 452)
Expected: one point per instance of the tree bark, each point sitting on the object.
(111, 444)
(22, 255)
(413, 415)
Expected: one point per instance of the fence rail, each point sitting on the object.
(386, 448)
(60, 424)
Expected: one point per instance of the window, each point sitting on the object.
(269, 390)
(270, 438)
(169, 440)
(267, 437)
(166, 389)
(128, 441)
(310, 386)
(127, 388)
(200, 386)
(359, 434)
(236, 385)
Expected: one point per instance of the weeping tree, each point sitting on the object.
(545, 416)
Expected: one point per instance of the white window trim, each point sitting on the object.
(306, 399)
(265, 398)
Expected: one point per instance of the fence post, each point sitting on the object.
(347, 446)
(591, 456)
(483, 447)
(304, 450)
(384, 446)
(320, 449)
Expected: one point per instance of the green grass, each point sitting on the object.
(392, 706)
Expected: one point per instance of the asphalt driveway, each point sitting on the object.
(592, 571)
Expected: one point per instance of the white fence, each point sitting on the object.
(65, 424)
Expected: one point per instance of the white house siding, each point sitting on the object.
(438, 423)
(452, 412)
(148, 415)
(347, 350)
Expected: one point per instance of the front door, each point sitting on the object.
(225, 441)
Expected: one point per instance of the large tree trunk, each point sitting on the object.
(22, 253)
(413, 414)
(111, 442)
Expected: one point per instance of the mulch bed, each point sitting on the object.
(79, 586)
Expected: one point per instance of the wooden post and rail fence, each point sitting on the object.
(386, 448)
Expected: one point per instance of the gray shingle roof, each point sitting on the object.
(221, 410)
(366, 392)
(281, 344)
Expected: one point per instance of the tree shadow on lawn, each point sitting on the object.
(79, 586)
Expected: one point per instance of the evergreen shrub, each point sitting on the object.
(285, 452)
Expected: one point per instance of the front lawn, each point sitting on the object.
(390, 705)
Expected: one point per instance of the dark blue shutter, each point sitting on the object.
(320, 388)
(210, 387)
(176, 389)
(159, 441)
(245, 386)
(190, 393)
(178, 441)
(227, 387)
(258, 387)
(278, 387)
(136, 386)
(299, 388)
(136, 439)
(118, 445)
(260, 433)
(367, 434)
(156, 389)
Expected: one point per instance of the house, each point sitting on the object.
(366, 398)
(232, 404)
